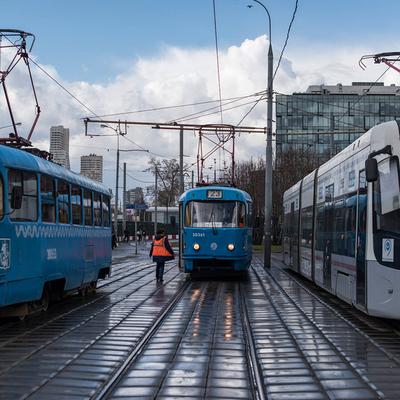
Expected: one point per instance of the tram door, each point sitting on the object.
(181, 216)
(295, 237)
(328, 236)
(361, 240)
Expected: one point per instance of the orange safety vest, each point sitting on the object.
(159, 249)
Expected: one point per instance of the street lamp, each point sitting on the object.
(268, 153)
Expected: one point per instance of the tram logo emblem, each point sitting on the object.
(388, 250)
(4, 253)
(213, 246)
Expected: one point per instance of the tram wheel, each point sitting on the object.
(45, 300)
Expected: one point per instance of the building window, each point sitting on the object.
(48, 198)
(63, 202)
(27, 181)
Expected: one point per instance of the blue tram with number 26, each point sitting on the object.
(215, 229)
(55, 233)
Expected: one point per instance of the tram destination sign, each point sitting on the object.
(214, 194)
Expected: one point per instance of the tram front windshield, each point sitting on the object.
(215, 214)
(387, 197)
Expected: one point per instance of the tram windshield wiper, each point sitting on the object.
(212, 220)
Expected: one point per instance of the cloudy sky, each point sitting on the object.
(125, 56)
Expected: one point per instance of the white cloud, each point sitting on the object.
(177, 76)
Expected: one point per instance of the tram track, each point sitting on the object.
(49, 343)
(255, 370)
(71, 300)
(197, 351)
(377, 368)
(37, 348)
(375, 329)
(110, 386)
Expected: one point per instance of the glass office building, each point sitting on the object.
(327, 118)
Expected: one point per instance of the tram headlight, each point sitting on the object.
(196, 247)
(231, 247)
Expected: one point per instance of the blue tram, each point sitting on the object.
(55, 233)
(216, 231)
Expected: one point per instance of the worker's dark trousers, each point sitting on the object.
(160, 270)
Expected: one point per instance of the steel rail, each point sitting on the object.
(339, 353)
(81, 306)
(111, 384)
(98, 338)
(344, 319)
(77, 326)
(255, 370)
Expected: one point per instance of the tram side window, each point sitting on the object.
(250, 214)
(48, 198)
(76, 202)
(63, 202)
(241, 215)
(106, 211)
(339, 244)
(27, 181)
(97, 209)
(87, 206)
(386, 196)
(306, 226)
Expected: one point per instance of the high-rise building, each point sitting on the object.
(59, 145)
(327, 118)
(92, 167)
(135, 196)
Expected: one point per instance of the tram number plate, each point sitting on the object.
(214, 194)
(199, 234)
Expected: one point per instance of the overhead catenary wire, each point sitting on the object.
(286, 39)
(199, 103)
(279, 60)
(198, 114)
(367, 91)
(218, 67)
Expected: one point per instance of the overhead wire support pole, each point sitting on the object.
(268, 151)
(124, 202)
(181, 178)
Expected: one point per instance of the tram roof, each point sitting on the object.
(229, 193)
(15, 158)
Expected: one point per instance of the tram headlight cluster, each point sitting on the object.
(196, 247)
(231, 247)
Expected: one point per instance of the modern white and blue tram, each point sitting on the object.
(215, 230)
(55, 233)
(341, 225)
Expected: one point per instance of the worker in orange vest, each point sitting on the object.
(161, 251)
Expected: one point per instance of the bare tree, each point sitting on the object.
(291, 166)
(168, 177)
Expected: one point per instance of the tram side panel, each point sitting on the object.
(35, 252)
(292, 226)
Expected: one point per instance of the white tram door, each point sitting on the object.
(361, 299)
(328, 237)
(294, 235)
